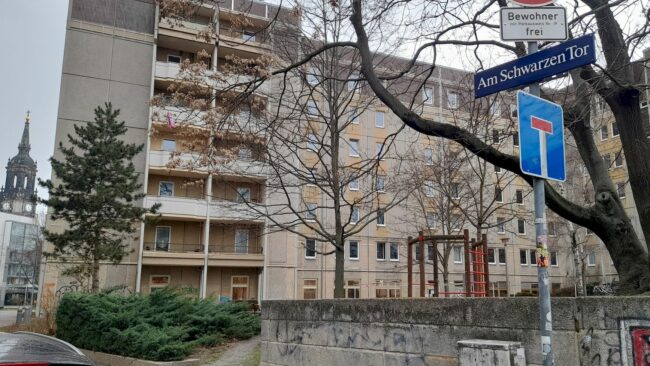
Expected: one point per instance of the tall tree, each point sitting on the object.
(95, 193)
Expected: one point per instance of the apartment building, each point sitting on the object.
(210, 236)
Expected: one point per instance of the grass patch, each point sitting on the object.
(167, 325)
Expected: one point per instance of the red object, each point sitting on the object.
(24, 364)
(641, 342)
(532, 2)
(541, 124)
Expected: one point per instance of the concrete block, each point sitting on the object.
(367, 336)
(399, 359)
(310, 333)
(338, 334)
(490, 353)
(403, 338)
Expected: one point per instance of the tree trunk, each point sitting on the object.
(577, 262)
(339, 272)
(95, 276)
(445, 280)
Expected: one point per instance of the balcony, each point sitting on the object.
(167, 70)
(159, 160)
(228, 211)
(178, 207)
(184, 254)
(185, 30)
(243, 44)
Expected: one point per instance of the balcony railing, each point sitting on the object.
(253, 38)
(237, 167)
(192, 28)
(172, 247)
(229, 210)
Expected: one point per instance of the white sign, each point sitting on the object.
(547, 23)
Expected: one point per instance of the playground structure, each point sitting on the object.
(477, 275)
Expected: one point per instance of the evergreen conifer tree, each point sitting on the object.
(96, 194)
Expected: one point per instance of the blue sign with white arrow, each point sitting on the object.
(541, 136)
(537, 66)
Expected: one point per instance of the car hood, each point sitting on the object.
(34, 347)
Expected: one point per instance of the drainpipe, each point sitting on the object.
(206, 237)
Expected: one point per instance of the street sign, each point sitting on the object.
(546, 23)
(537, 66)
(541, 134)
(532, 2)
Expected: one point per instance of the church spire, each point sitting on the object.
(23, 147)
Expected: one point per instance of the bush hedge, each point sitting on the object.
(166, 325)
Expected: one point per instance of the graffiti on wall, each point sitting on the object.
(627, 346)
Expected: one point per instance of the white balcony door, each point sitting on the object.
(241, 241)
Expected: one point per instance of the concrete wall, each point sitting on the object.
(425, 331)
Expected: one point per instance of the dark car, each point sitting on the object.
(33, 349)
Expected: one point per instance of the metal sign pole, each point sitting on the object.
(545, 323)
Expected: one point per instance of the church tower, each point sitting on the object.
(18, 195)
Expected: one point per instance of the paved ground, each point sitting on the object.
(239, 354)
(7, 317)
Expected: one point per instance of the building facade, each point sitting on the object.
(210, 235)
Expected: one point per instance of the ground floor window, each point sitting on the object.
(239, 288)
(352, 289)
(310, 289)
(498, 289)
(387, 289)
(157, 282)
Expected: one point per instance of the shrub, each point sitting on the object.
(166, 325)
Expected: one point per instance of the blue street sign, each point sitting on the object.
(537, 66)
(541, 137)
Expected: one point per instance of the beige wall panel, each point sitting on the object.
(87, 54)
(131, 62)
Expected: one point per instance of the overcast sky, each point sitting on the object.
(32, 32)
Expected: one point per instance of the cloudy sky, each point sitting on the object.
(33, 31)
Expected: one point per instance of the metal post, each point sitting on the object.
(468, 271)
(486, 267)
(409, 267)
(545, 319)
(422, 262)
(435, 269)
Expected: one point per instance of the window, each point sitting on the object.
(380, 217)
(381, 251)
(456, 222)
(607, 160)
(533, 259)
(620, 189)
(379, 119)
(495, 136)
(452, 100)
(515, 138)
(168, 145)
(430, 255)
(495, 108)
(501, 225)
(166, 189)
(454, 190)
(163, 238)
(312, 109)
(498, 194)
(312, 79)
(431, 219)
(427, 95)
(379, 147)
(513, 110)
(244, 153)
(428, 156)
(417, 253)
(312, 142)
(239, 287)
(387, 289)
(551, 229)
(310, 248)
(428, 188)
(519, 196)
(354, 147)
(352, 84)
(614, 129)
(521, 226)
(643, 104)
(309, 289)
(241, 241)
(248, 36)
(174, 59)
(591, 259)
(354, 184)
(311, 211)
(380, 183)
(156, 282)
(502, 255)
(354, 215)
(394, 251)
(352, 289)
(523, 257)
(458, 254)
(353, 248)
(356, 114)
(491, 257)
(604, 133)
(243, 194)
(554, 261)
(618, 159)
